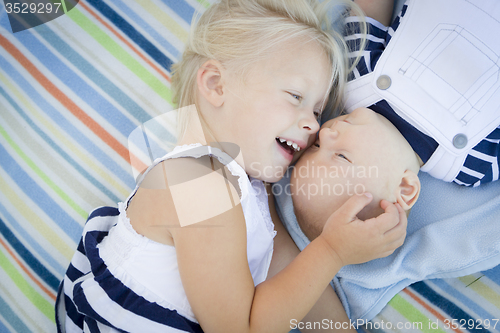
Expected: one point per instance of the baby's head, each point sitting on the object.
(235, 50)
(355, 153)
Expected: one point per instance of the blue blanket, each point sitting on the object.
(452, 231)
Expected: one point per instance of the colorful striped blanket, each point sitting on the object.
(71, 92)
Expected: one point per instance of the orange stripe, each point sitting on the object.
(429, 308)
(120, 37)
(68, 103)
(25, 269)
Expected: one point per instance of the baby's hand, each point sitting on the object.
(354, 241)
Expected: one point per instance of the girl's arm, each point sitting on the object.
(380, 10)
(328, 308)
(213, 263)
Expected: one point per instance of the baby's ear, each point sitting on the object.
(408, 190)
(210, 83)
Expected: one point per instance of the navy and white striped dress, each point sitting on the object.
(120, 281)
(81, 310)
(482, 163)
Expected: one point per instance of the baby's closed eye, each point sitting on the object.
(343, 157)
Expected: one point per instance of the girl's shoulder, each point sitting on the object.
(182, 191)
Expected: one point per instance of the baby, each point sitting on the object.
(456, 159)
(431, 74)
(354, 153)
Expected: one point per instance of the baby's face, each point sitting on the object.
(354, 153)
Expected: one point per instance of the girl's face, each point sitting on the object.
(273, 115)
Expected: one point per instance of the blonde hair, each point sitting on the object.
(237, 33)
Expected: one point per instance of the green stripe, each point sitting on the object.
(204, 3)
(41, 303)
(412, 314)
(120, 54)
(63, 3)
(43, 176)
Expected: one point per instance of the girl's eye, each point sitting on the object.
(297, 97)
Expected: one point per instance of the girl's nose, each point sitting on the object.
(309, 123)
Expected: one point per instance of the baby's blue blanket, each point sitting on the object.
(452, 231)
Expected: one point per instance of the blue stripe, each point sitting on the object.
(92, 325)
(467, 179)
(81, 248)
(495, 135)
(66, 125)
(480, 166)
(58, 149)
(122, 295)
(71, 312)
(140, 139)
(28, 257)
(444, 304)
(73, 273)
(376, 31)
(367, 64)
(158, 38)
(493, 274)
(125, 297)
(41, 198)
(354, 27)
(132, 33)
(10, 317)
(85, 308)
(42, 253)
(488, 148)
(3, 328)
(103, 211)
(60, 294)
(73, 81)
(479, 311)
(181, 8)
(93, 74)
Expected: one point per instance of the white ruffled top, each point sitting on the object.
(150, 268)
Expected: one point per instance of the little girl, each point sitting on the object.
(190, 248)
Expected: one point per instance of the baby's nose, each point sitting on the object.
(329, 133)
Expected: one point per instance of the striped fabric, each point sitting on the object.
(107, 301)
(467, 304)
(71, 91)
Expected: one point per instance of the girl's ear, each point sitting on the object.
(210, 83)
(409, 190)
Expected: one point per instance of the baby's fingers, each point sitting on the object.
(391, 218)
(348, 211)
(396, 235)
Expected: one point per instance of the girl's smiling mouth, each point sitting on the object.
(288, 147)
